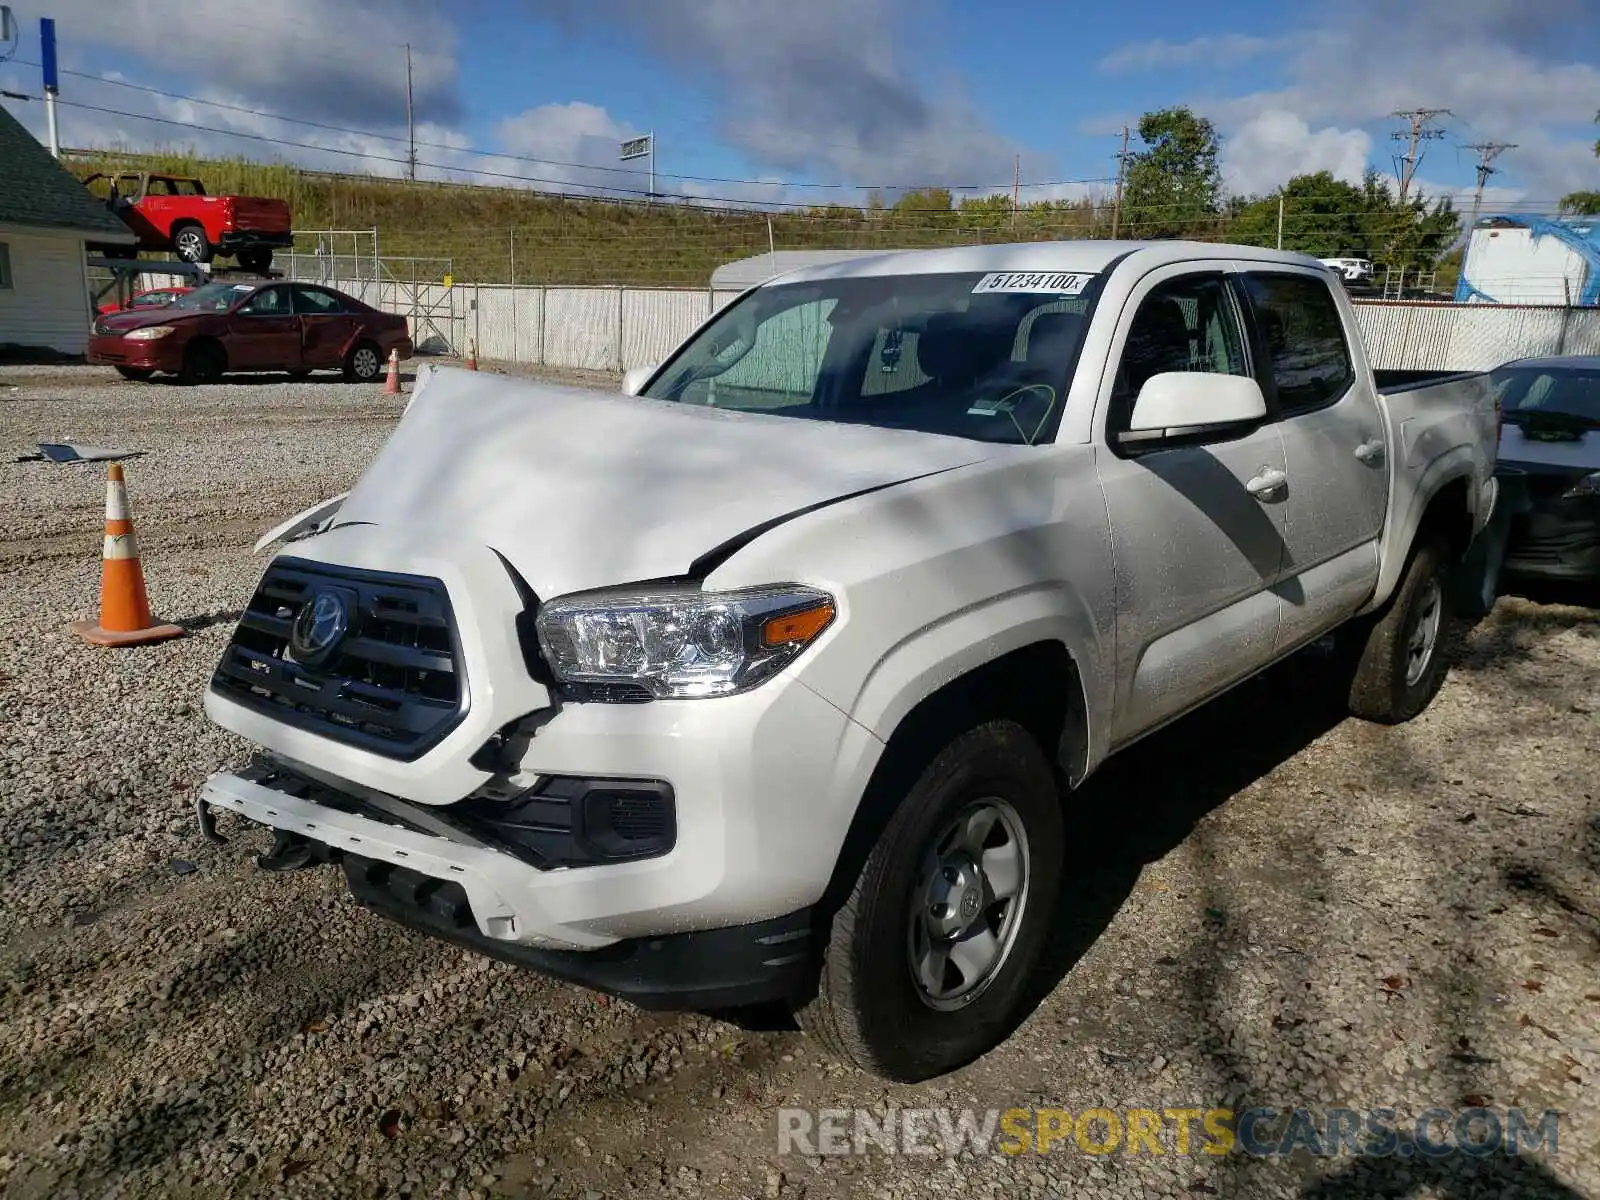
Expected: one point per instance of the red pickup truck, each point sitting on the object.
(173, 212)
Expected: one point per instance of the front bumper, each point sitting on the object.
(483, 898)
(1551, 535)
(159, 355)
(1560, 540)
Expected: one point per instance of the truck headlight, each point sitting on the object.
(148, 333)
(1589, 485)
(680, 643)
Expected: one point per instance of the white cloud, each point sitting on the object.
(1275, 145)
(837, 88)
(339, 61)
(1220, 50)
(1503, 67)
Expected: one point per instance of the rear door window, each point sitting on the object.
(1308, 358)
(316, 302)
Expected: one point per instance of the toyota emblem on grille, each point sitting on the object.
(318, 627)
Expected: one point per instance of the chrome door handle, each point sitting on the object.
(1264, 485)
(1370, 452)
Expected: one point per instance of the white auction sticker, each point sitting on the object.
(1059, 283)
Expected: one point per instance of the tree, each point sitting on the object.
(1322, 216)
(931, 199)
(1174, 183)
(1584, 203)
(1328, 218)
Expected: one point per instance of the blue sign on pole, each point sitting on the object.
(47, 49)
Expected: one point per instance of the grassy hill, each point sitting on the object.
(571, 240)
(483, 234)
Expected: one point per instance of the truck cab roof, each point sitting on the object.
(1081, 255)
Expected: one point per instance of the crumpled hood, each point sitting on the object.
(581, 489)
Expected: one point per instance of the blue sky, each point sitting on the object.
(776, 95)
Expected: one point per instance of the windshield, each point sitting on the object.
(974, 355)
(214, 297)
(1564, 395)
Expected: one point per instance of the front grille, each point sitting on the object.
(393, 684)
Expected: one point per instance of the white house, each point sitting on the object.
(46, 216)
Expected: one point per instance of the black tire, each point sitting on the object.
(135, 374)
(364, 363)
(189, 242)
(1384, 688)
(870, 1009)
(257, 260)
(203, 362)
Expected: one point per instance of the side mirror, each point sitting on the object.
(1178, 404)
(635, 379)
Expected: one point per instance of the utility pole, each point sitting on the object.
(411, 128)
(52, 81)
(1280, 218)
(1487, 153)
(1122, 171)
(1420, 131)
(1016, 187)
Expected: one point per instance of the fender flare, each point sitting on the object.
(1404, 523)
(926, 660)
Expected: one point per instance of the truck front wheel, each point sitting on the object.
(929, 959)
(1403, 661)
(190, 243)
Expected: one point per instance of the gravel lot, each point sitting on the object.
(1272, 906)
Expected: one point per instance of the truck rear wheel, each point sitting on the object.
(259, 261)
(1403, 662)
(929, 959)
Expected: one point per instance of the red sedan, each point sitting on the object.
(149, 298)
(226, 327)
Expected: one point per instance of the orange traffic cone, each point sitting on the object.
(472, 354)
(391, 386)
(124, 604)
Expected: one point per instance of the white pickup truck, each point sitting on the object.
(772, 678)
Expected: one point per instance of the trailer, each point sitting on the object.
(1524, 258)
(122, 275)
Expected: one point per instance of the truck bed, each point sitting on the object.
(1439, 425)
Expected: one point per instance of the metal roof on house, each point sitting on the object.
(38, 192)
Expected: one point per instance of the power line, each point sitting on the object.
(608, 190)
(411, 142)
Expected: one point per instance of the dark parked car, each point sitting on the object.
(225, 327)
(1549, 466)
(149, 298)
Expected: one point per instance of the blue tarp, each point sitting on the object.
(1580, 234)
